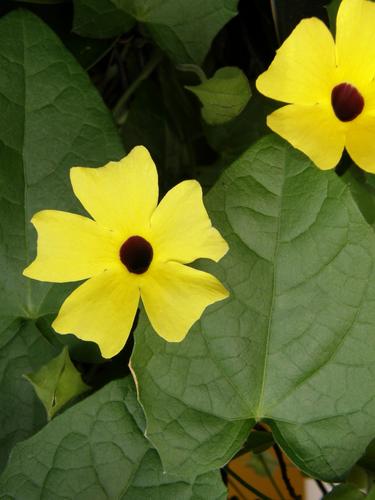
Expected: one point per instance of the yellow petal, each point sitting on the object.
(360, 142)
(181, 229)
(70, 247)
(355, 41)
(101, 310)
(312, 129)
(175, 297)
(303, 69)
(121, 195)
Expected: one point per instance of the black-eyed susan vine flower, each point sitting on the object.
(329, 86)
(132, 248)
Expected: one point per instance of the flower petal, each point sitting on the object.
(101, 310)
(312, 129)
(303, 69)
(355, 41)
(360, 142)
(121, 195)
(181, 229)
(70, 247)
(175, 297)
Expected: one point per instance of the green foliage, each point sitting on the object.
(100, 19)
(51, 118)
(293, 346)
(97, 450)
(57, 382)
(294, 343)
(22, 349)
(259, 441)
(345, 492)
(223, 96)
(183, 29)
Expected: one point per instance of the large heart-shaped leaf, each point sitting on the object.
(50, 119)
(294, 344)
(97, 450)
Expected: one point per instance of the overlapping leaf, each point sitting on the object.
(97, 450)
(294, 344)
(50, 119)
(100, 19)
(183, 29)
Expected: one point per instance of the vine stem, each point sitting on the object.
(284, 473)
(247, 485)
(144, 74)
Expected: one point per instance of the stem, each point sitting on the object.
(247, 485)
(321, 486)
(194, 69)
(144, 74)
(284, 472)
(270, 476)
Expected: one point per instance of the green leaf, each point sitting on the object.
(22, 348)
(294, 343)
(368, 459)
(223, 96)
(332, 9)
(57, 382)
(97, 449)
(233, 138)
(51, 118)
(184, 30)
(100, 19)
(362, 191)
(345, 492)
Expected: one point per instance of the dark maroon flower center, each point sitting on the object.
(136, 254)
(347, 102)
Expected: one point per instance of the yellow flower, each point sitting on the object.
(133, 248)
(330, 87)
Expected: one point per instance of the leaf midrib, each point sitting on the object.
(259, 414)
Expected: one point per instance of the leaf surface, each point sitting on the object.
(100, 19)
(223, 96)
(51, 118)
(97, 450)
(294, 343)
(184, 30)
(57, 382)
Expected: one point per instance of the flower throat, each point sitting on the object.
(136, 254)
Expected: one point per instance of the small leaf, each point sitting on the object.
(100, 19)
(57, 382)
(223, 96)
